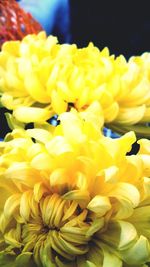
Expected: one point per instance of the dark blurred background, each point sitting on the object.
(122, 26)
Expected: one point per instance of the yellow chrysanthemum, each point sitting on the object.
(134, 98)
(71, 197)
(40, 78)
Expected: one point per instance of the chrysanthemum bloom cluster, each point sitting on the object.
(71, 197)
(14, 22)
(40, 78)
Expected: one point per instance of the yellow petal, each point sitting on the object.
(122, 208)
(25, 207)
(58, 145)
(58, 104)
(96, 225)
(120, 235)
(144, 146)
(100, 205)
(42, 162)
(11, 205)
(31, 114)
(36, 89)
(139, 253)
(22, 173)
(130, 116)
(127, 191)
(110, 259)
(82, 196)
(72, 131)
(11, 47)
(111, 112)
(40, 135)
(110, 174)
(39, 190)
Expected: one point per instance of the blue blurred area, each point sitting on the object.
(109, 133)
(53, 15)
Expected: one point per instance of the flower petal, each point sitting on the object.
(120, 235)
(31, 114)
(99, 205)
(139, 253)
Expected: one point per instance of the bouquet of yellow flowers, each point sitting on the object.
(71, 196)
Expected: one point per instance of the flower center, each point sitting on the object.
(58, 224)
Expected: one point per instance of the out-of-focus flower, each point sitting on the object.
(71, 197)
(14, 22)
(134, 98)
(40, 78)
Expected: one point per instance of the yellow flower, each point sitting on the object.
(71, 197)
(134, 98)
(40, 77)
